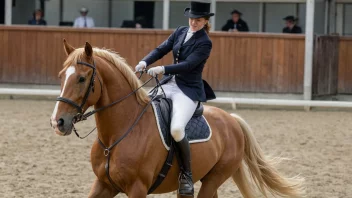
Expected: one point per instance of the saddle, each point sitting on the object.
(197, 130)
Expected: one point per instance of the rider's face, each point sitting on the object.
(197, 24)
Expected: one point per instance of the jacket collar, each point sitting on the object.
(192, 40)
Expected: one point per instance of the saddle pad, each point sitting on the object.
(197, 130)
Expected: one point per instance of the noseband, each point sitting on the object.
(90, 89)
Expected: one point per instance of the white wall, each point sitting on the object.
(319, 17)
(52, 12)
(23, 11)
(347, 19)
(274, 14)
(122, 10)
(176, 14)
(158, 15)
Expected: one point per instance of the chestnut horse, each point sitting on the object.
(98, 77)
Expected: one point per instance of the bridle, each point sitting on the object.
(80, 116)
(86, 95)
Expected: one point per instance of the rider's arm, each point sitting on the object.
(200, 54)
(161, 50)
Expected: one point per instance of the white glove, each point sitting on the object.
(141, 65)
(156, 70)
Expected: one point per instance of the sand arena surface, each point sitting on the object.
(35, 162)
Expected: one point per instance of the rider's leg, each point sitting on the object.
(182, 111)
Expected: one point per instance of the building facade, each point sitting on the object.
(261, 15)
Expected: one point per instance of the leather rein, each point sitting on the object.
(80, 116)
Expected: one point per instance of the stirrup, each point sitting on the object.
(185, 185)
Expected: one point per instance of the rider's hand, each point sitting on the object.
(156, 70)
(141, 65)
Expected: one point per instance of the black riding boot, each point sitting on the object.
(185, 179)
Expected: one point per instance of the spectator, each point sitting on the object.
(84, 20)
(142, 22)
(37, 18)
(236, 24)
(291, 26)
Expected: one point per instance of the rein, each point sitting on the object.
(81, 117)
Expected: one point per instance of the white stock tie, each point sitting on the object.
(189, 35)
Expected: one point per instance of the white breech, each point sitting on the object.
(182, 109)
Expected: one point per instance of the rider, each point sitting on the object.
(182, 81)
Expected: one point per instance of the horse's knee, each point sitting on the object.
(100, 189)
(178, 133)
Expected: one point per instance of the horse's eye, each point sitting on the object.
(82, 79)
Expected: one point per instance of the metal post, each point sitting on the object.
(261, 17)
(110, 13)
(332, 24)
(213, 10)
(327, 11)
(61, 10)
(309, 42)
(166, 14)
(340, 18)
(8, 12)
(42, 5)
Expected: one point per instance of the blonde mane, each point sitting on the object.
(119, 62)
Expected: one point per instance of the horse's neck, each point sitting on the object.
(114, 121)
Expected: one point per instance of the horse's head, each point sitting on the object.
(79, 88)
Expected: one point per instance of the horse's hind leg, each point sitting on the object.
(210, 185)
(223, 170)
(101, 190)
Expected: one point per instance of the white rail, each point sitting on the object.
(219, 100)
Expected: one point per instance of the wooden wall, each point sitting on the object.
(243, 62)
(345, 66)
(325, 65)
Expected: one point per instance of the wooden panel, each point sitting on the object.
(2, 51)
(243, 62)
(5, 56)
(325, 68)
(345, 66)
(300, 67)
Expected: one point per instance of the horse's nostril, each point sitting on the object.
(60, 122)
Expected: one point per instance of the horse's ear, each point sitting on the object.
(88, 49)
(68, 48)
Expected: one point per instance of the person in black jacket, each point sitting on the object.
(182, 81)
(291, 26)
(236, 24)
(37, 18)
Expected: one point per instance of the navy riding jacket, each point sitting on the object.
(189, 61)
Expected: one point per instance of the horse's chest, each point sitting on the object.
(117, 171)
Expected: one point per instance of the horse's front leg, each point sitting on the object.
(101, 190)
(138, 190)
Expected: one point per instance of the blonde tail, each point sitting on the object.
(262, 171)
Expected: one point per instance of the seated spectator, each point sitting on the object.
(84, 20)
(291, 26)
(37, 18)
(236, 24)
(142, 22)
(128, 24)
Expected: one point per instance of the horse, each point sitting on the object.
(130, 162)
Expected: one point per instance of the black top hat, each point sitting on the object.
(236, 12)
(290, 18)
(198, 10)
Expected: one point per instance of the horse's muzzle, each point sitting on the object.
(63, 126)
